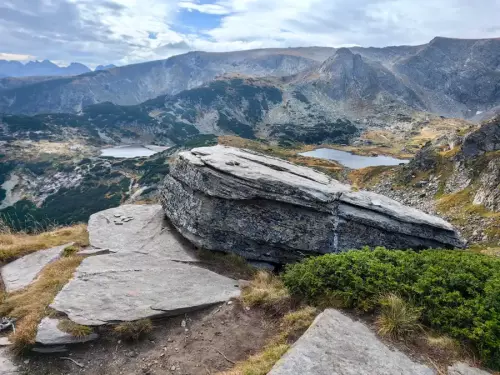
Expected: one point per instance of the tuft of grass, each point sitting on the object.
(133, 331)
(70, 250)
(292, 326)
(15, 245)
(261, 363)
(397, 318)
(268, 291)
(74, 329)
(444, 343)
(30, 305)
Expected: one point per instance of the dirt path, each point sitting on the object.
(198, 348)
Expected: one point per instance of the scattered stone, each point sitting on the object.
(117, 215)
(266, 209)
(229, 302)
(7, 323)
(49, 334)
(461, 368)
(4, 341)
(118, 223)
(337, 345)
(21, 272)
(172, 368)
(183, 323)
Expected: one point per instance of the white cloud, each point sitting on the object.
(217, 9)
(117, 31)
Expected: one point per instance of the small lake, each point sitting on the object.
(353, 161)
(131, 151)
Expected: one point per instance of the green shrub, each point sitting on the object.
(458, 291)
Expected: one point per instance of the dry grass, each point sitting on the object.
(397, 318)
(292, 326)
(74, 329)
(133, 331)
(267, 291)
(15, 245)
(446, 344)
(30, 305)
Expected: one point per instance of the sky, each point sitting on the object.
(129, 31)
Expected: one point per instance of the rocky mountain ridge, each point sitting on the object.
(40, 68)
(450, 77)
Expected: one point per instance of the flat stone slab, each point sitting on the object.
(151, 271)
(126, 287)
(337, 345)
(20, 273)
(461, 368)
(50, 334)
(143, 230)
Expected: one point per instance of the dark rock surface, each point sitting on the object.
(267, 209)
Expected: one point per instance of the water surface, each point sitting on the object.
(131, 151)
(353, 161)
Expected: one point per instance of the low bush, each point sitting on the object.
(458, 291)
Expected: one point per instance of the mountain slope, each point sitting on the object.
(134, 84)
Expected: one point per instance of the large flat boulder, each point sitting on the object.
(151, 271)
(20, 273)
(337, 345)
(267, 209)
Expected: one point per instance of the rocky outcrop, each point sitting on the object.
(336, 345)
(267, 209)
(150, 271)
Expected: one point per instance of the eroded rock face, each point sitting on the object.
(264, 208)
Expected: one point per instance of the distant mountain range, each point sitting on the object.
(43, 68)
(449, 77)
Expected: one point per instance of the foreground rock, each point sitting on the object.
(50, 334)
(144, 275)
(264, 208)
(21, 272)
(462, 368)
(336, 345)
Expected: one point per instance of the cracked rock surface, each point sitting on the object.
(336, 345)
(150, 271)
(264, 208)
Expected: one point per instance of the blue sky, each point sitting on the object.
(128, 31)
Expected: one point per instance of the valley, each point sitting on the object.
(132, 194)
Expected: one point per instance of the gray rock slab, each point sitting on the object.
(7, 366)
(461, 368)
(266, 209)
(49, 334)
(21, 272)
(130, 286)
(147, 233)
(337, 345)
